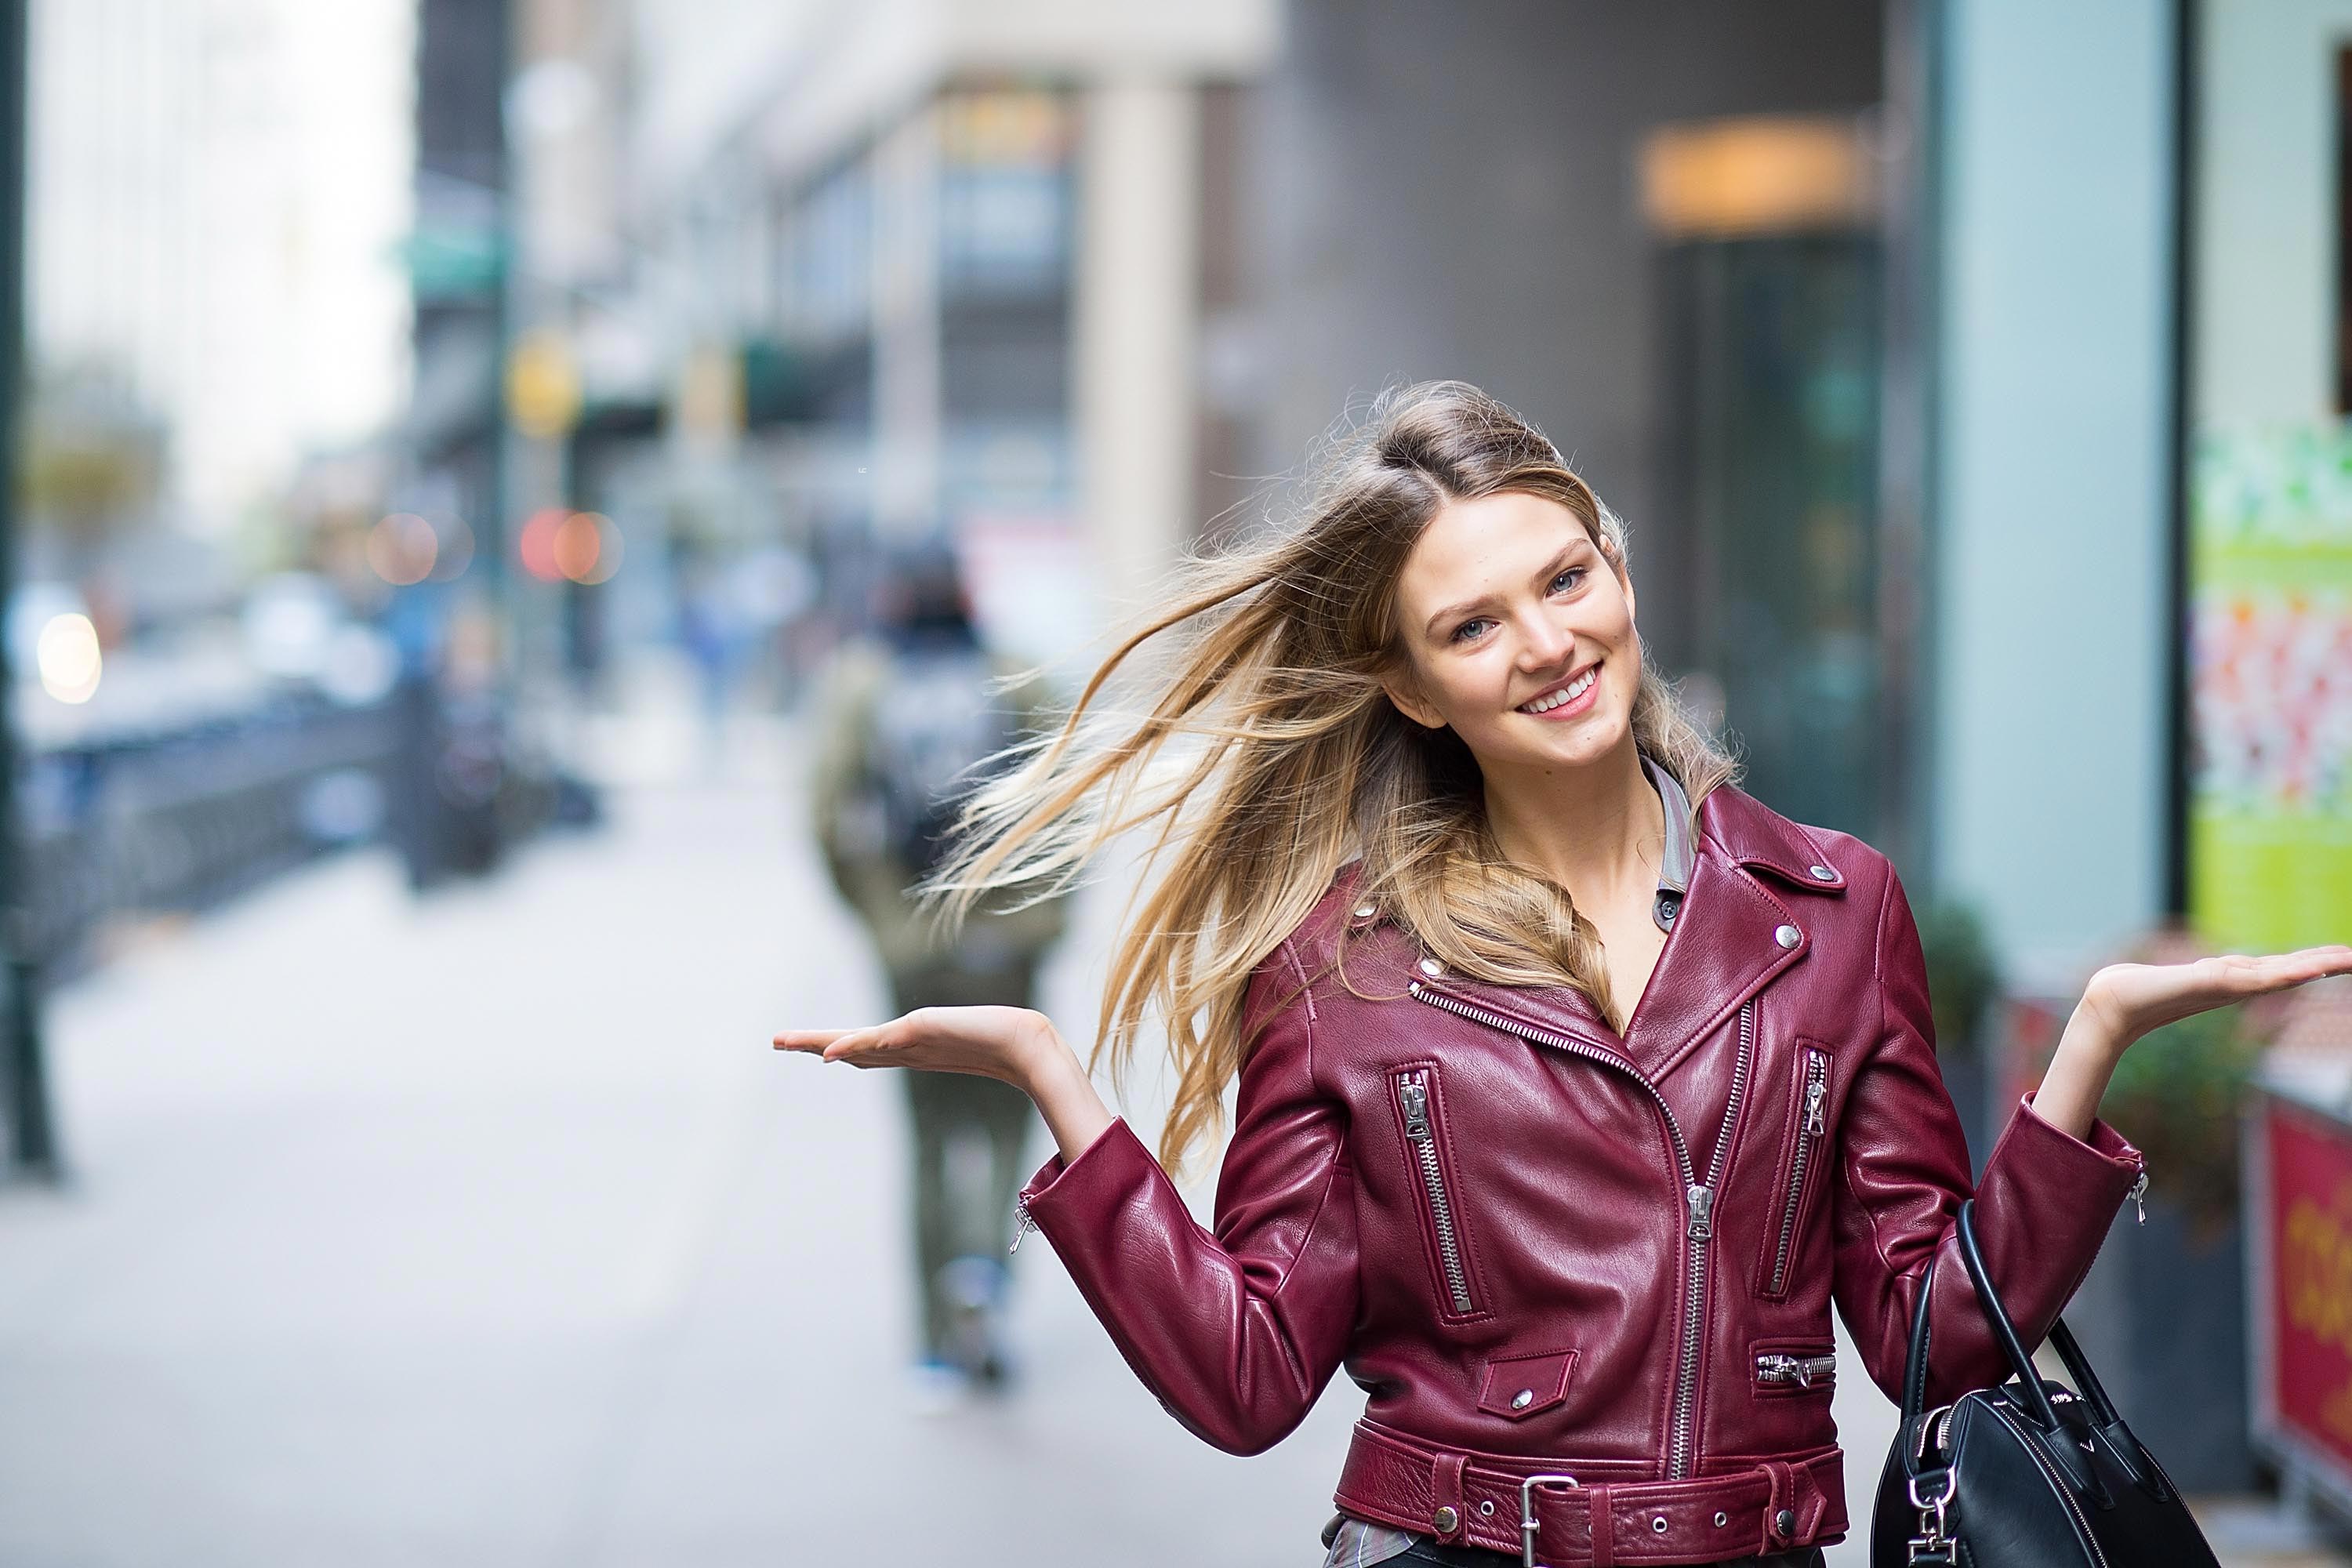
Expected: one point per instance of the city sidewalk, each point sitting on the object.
(488, 1230)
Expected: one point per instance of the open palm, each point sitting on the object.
(2133, 999)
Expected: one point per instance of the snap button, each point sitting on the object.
(1487, 1507)
(1721, 1518)
(1658, 1523)
(1365, 911)
(1824, 874)
(1788, 936)
(1784, 1523)
(1431, 966)
(1523, 1398)
(1446, 1518)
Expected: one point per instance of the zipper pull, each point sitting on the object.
(1702, 1212)
(1817, 1121)
(2139, 1195)
(1771, 1368)
(1414, 1093)
(1023, 1223)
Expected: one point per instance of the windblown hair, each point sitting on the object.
(1266, 754)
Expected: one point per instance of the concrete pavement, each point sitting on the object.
(488, 1230)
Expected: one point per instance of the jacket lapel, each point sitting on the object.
(1726, 946)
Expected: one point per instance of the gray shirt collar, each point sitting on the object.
(1676, 863)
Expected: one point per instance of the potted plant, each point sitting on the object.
(2164, 1304)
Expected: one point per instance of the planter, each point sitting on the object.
(2162, 1316)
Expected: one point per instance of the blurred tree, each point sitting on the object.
(1962, 979)
(93, 462)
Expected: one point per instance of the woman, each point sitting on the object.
(1575, 1085)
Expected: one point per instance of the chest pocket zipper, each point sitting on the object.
(1415, 1099)
(1804, 1153)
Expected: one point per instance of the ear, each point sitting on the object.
(1408, 701)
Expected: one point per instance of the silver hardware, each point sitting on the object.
(1931, 1543)
(1816, 1123)
(1658, 1524)
(1023, 1223)
(1523, 1398)
(1412, 1092)
(1822, 874)
(1694, 1296)
(1430, 966)
(1784, 1523)
(2139, 1195)
(1527, 1525)
(1702, 1213)
(1801, 1370)
(1788, 936)
(1364, 911)
(1721, 1518)
(1487, 1507)
(1446, 1518)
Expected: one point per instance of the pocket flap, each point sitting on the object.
(1519, 1385)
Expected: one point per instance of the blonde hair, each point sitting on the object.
(1266, 754)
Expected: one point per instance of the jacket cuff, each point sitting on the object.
(1075, 1193)
(2103, 1144)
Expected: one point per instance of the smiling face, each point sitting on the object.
(1518, 632)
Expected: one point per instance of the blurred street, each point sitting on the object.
(505, 1239)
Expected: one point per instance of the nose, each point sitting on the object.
(1545, 643)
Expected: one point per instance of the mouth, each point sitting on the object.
(1569, 694)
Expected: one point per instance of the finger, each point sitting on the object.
(852, 1043)
(2252, 977)
(807, 1039)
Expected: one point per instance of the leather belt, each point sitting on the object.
(1543, 1510)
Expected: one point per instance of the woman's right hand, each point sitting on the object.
(1012, 1045)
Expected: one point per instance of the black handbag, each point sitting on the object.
(2029, 1475)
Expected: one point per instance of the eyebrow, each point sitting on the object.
(1551, 569)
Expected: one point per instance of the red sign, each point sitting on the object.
(2310, 1309)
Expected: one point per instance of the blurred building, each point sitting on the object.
(1881, 320)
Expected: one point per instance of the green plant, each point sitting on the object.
(1962, 979)
(2175, 1094)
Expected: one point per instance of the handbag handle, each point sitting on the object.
(2004, 1331)
(1914, 1374)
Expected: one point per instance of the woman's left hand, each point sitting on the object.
(2126, 1000)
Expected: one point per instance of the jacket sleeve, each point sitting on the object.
(1237, 1330)
(2043, 1203)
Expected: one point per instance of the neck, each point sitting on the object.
(1597, 830)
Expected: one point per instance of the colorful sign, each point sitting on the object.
(2271, 659)
(2307, 1184)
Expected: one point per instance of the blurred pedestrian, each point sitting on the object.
(909, 722)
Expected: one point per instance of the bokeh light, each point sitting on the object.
(402, 548)
(588, 547)
(456, 546)
(69, 658)
(536, 545)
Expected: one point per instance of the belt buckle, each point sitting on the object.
(1527, 1525)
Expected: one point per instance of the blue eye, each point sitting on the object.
(1575, 572)
(1463, 627)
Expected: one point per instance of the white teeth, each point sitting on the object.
(1569, 693)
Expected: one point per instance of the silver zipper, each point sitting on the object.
(1801, 1370)
(2139, 1195)
(1024, 1222)
(1699, 1196)
(2057, 1482)
(1816, 1123)
(1412, 1093)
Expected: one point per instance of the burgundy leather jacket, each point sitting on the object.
(1547, 1250)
